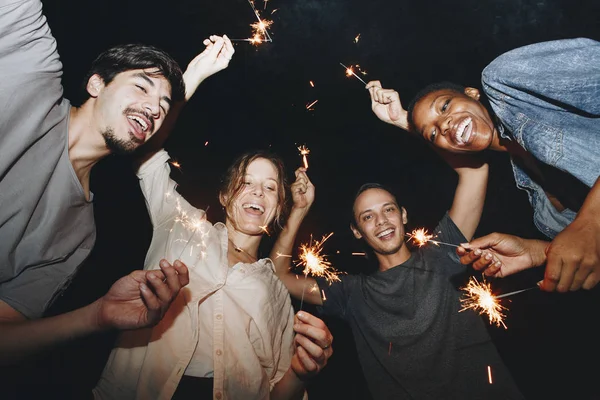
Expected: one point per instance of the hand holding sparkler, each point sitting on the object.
(303, 192)
(387, 106)
(313, 345)
(214, 58)
(501, 255)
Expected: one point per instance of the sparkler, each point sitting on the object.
(304, 151)
(260, 28)
(350, 72)
(314, 263)
(421, 237)
(480, 298)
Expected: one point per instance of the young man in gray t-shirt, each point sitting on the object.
(47, 151)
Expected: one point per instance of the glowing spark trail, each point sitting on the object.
(357, 38)
(260, 31)
(489, 374)
(421, 237)
(350, 72)
(314, 263)
(480, 298)
(308, 107)
(304, 151)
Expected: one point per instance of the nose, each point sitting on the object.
(445, 124)
(152, 107)
(257, 190)
(381, 220)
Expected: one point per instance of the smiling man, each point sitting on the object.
(546, 115)
(412, 341)
(47, 151)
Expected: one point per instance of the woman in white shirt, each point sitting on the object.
(231, 332)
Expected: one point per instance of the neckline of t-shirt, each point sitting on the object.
(66, 151)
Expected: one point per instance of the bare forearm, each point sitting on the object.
(591, 206)
(469, 198)
(290, 387)
(20, 339)
(282, 249)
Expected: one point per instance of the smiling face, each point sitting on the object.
(130, 109)
(453, 121)
(257, 202)
(379, 221)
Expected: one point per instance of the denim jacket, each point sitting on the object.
(547, 97)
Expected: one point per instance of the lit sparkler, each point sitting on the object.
(304, 151)
(421, 237)
(176, 164)
(314, 263)
(260, 28)
(350, 72)
(480, 298)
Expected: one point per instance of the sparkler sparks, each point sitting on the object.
(350, 72)
(304, 151)
(176, 164)
(421, 237)
(479, 297)
(308, 107)
(357, 38)
(315, 263)
(260, 33)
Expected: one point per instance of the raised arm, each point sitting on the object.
(303, 195)
(387, 106)
(469, 196)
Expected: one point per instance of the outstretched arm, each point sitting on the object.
(137, 300)
(469, 196)
(303, 195)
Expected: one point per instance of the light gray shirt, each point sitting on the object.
(46, 224)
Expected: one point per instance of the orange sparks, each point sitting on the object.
(308, 107)
(304, 151)
(490, 374)
(480, 298)
(420, 236)
(390, 349)
(265, 229)
(312, 84)
(283, 255)
(323, 295)
(359, 254)
(356, 39)
(206, 143)
(350, 72)
(175, 164)
(314, 261)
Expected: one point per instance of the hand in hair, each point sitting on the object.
(386, 104)
(214, 58)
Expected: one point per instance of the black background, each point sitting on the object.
(551, 344)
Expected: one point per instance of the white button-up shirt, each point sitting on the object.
(235, 324)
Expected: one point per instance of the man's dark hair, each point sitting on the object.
(128, 57)
(364, 188)
(433, 87)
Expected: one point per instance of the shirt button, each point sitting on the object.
(218, 395)
(219, 352)
(219, 316)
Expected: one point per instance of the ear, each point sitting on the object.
(404, 216)
(95, 85)
(222, 199)
(356, 232)
(472, 93)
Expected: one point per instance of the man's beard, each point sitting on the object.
(119, 146)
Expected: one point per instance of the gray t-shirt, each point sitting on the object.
(411, 339)
(46, 224)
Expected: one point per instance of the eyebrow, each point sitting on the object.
(389, 203)
(149, 82)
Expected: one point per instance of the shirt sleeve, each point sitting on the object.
(336, 295)
(446, 231)
(160, 191)
(564, 74)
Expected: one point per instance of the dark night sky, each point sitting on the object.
(259, 102)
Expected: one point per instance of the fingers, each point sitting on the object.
(314, 329)
(373, 84)
(552, 273)
(308, 363)
(487, 241)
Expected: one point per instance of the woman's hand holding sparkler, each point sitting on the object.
(500, 255)
(387, 106)
(313, 345)
(214, 58)
(141, 298)
(303, 192)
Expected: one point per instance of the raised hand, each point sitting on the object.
(387, 106)
(141, 298)
(214, 58)
(303, 191)
(313, 345)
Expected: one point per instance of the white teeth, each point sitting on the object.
(386, 232)
(254, 206)
(139, 121)
(460, 130)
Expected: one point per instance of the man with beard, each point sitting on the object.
(412, 342)
(47, 151)
(545, 114)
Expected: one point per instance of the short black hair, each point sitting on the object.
(433, 87)
(128, 57)
(364, 188)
